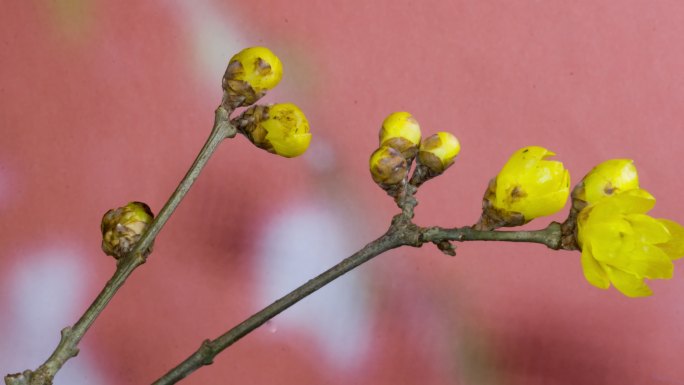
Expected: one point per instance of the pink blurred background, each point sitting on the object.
(102, 103)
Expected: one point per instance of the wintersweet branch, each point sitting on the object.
(72, 335)
(402, 232)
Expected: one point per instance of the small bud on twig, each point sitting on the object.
(280, 128)
(122, 228)
(250, 73)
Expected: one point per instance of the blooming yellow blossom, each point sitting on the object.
(530, 185)
(281, 129)
(438, 152)
(250, 73)
(387, 166)
(622, 246)
(608, 178)
(122, 228)
(401, 132)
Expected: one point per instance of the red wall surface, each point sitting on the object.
(102, 103)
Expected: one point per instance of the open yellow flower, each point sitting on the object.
(250, 73)
(622, 246)
(401, 132)
(281, 129)
(530, 185)
(123, 227)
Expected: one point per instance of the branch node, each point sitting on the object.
(67, 333)
(206, 352)
(446, 247)
(19, 378)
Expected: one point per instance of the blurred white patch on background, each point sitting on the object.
(321, 156)
(46, 294)
(212, 38)
(297, 245)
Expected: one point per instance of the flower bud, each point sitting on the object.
(401, 132)
(438, 152)
(250, 73)
(527, 187)
(608, 178)
(123, 227)
(387, 166)
(280, 128)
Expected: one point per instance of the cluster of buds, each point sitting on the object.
(621, 245)
(123, 227)
(400, 145)
(279, 128)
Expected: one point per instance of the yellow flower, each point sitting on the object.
(401, 132)
(608, 178)
(438, 151)
(250, 73)
(530, 185)
(621, 245)
(281, 129)
(387, 166)
(122, 228)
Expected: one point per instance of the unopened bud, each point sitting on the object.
(401, 132)
(608, 178)
(280, 128)
(388, 167)
(123, 227)
(527, 187)
(250, 73)
(438, 151)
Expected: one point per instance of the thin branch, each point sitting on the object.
(210, 348)
(550, 236)
(72, 335)
(402, 232)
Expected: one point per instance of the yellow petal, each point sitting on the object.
(648, 229)
(543, 205)
(593, 272)
(674, 247)
(637, 201)
(608, 239)
(628, 284)
(646, 261)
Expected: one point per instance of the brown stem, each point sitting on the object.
(72, 335)
(402, 232)
(210, 348)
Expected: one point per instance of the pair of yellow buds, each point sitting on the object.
(280, 128)
(400, 143)
(620, 244)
